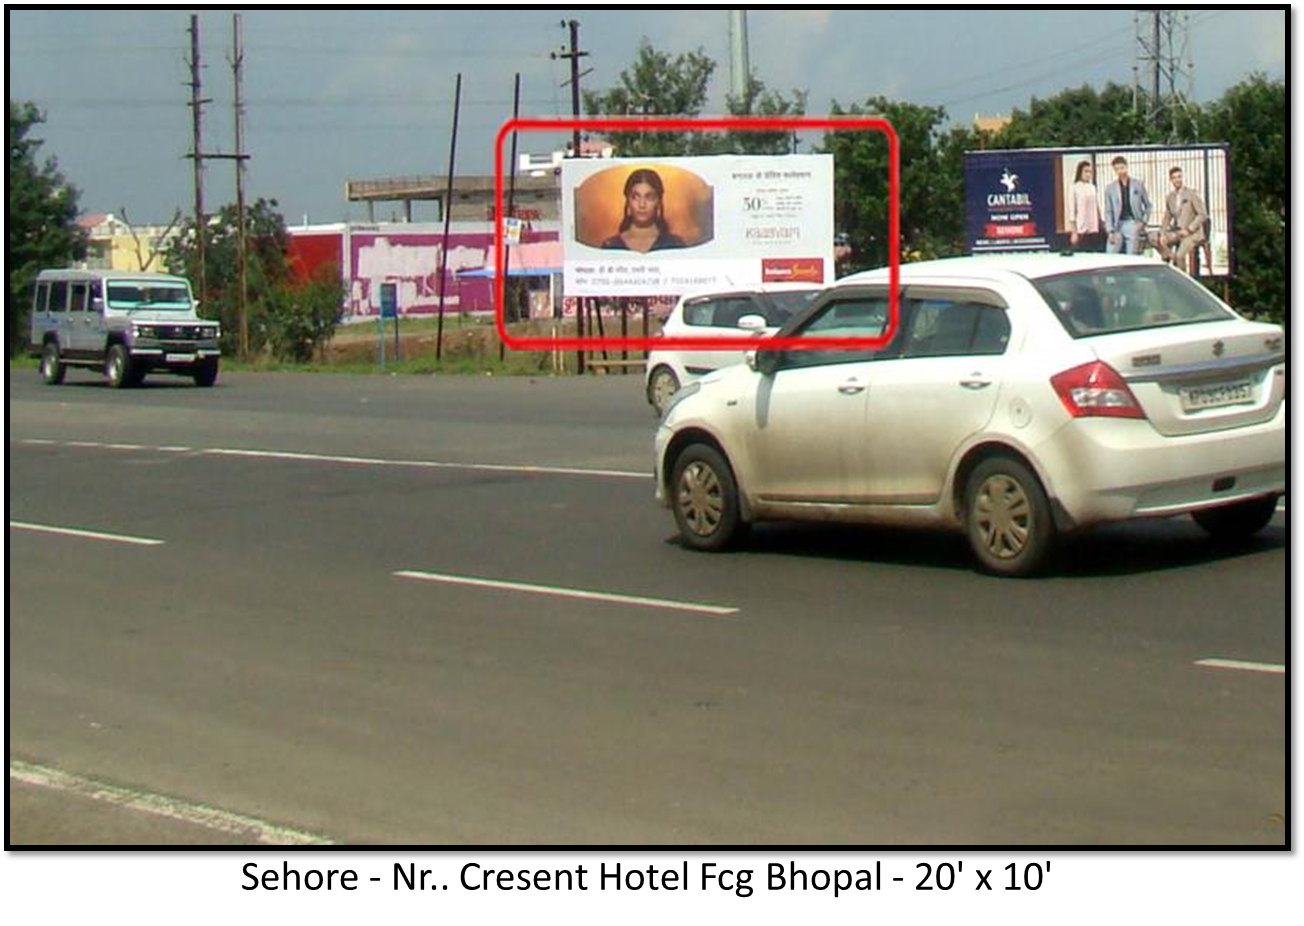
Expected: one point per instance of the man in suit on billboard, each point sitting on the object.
(1185, 216)
(1127, 209)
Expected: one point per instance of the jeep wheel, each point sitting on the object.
(205, 373)
(52, 368)
(118, 367)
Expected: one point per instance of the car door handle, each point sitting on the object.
(975, 381)
(851, 387)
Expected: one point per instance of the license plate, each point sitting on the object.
(1195, 398)
(180, 358)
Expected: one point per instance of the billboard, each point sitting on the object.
(1070, 199)
(668, 226)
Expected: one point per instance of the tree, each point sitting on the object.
(1251, 118)
(1083, 116)
(268, 268)
(657, 84)
(932, 182)
(302, 318)
(660, 85)
(41, 224)
(762, 102)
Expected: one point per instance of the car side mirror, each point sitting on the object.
(765, 362)
(753, 323)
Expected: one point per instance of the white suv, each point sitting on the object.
(126, 324)
(1021, 397)
(758, 311)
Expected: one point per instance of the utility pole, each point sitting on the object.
(242, 254)
(448, 217)
(740, 72)
(574, 55)
(197, 154)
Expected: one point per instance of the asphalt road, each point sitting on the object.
(266, 661)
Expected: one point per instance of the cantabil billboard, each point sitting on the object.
(669, 226)
(1171, 202)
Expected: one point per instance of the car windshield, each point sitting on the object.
(1128, 299)
(785, 305)
(139, 294)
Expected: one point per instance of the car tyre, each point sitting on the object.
(1008, 518)
(52, 366)
(118, 368)
(1240, 521)
(704, 497)
(661, 388)
(205, 372)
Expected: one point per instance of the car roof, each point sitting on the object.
(73, 274)
(755, 288)
(998, 267)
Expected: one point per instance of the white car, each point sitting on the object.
(1021, 397)
(758, 311)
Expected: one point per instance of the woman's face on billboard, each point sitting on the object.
(643, 202)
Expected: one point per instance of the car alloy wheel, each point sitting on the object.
(1008, 518)
(699, 499)
(664, 386)
(705, 499)
(1003, 516)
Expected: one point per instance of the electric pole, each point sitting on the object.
(197, 155)
(574, 55)
(242, 260)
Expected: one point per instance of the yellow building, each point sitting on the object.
(113, 244)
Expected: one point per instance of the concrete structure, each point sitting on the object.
(537, 197)
(408, 254)
(114, 244)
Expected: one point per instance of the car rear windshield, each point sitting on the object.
(1128, 299)
(142, 295)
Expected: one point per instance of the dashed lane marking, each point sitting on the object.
(1268, 668)
(84, 534)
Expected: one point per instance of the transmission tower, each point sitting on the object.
(1164, 70)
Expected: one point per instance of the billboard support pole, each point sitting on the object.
(511, 208)
(448, 215)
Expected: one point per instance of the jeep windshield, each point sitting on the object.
(138, 294)
(1128, 299)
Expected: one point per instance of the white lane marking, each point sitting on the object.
(1269, 668)
(173, 809)
(560, 592)
(427, 464)
(297, 456)
(89, 535)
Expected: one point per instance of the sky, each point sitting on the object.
(334, 95)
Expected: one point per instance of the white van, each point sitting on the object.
(126, 324)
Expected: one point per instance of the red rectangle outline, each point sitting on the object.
(751, 342)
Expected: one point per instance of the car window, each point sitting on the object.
(728, 311)
(1128, 299)
(161, 294)
(58, 295)
(853, 317)
(42, 300)
(941, 327)
(700, 313)
(779, 307)
(77, 302)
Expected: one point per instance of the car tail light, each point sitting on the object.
(1095, 390)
